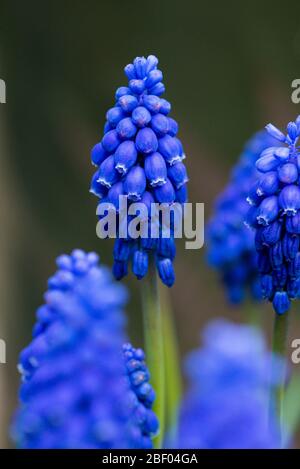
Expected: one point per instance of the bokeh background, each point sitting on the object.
(228, 68)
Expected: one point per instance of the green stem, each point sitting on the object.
(172, 365)
(279, 347)
(153, 336)
(253, 315)
(292, 408)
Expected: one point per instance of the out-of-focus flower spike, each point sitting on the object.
(231, 244)
(79, 335)
(229, 388)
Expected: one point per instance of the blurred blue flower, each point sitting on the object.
(230, 244)
(275, 217)
(140, 157)
(81, 387)
(226, 405)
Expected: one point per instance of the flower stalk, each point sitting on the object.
(172, 365)
(279, 345)
(153, 336)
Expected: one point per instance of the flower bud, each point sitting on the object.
(155, 169)
(268, 184)
(128, 103)
(130, 71)
(126, 129)
(282, 154)
(120, 269)
(135, 183)
(141, 116)
(140, 263)
(279, 277)
(158, 89)
(281, 302)
(293, 224)
(122, 91)
(114, 193)
(160, 124)
(271, 233)
(289, 199)
(166, 271)
(122, 249)
(276, 255)
(110, 141)
(290, 246)
(182, 194)
(292, 130)
(173, 127)
(266, 163)
(165, 193)
(152, 62)
(166, 248)
(107, 173)
(267, 210)
(178, 175)
(165, 106)
(137, 86)
(294, 266)
(168, 147)
(274, 132)
(267, 286)
(146, 141)
(125, 156)
(154, 77)
(114, 115)
(293, 288)
(152, 103)
(288, 173)
(98, 154)
(147, 199)
(96, 187)
(140, 64)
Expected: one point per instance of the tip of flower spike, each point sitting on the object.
(144, 76)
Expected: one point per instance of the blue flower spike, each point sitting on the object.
(231, 250)
(275, 216)
(140, 157)
(227, 402)
(78, 338)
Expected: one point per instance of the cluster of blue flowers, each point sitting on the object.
(81, 387)
(140, 157)
(231, 250)
(226, 405)
(275, 215)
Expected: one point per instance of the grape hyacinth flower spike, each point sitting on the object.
(226, 404)
(78, 338)
(141, 158)
(230, 244)
(275, 216)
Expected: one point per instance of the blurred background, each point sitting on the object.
(228, 71)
